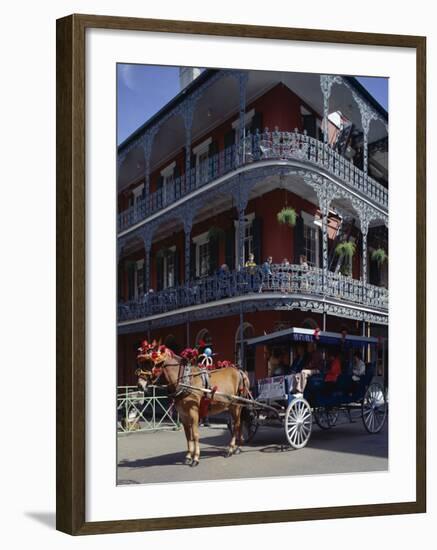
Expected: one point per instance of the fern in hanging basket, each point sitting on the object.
(215, 233)
(287, 216)
(379, 256)
(346, 249)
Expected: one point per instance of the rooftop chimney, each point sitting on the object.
(187, 75)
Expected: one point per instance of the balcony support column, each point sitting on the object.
(242, 85)
(147, 148)
(364, 231)
(367, 115)
(324, 207)
(241, 193)
(241, 229)
(326, 82)
(188, 225)
(187, 113)
(146, 235)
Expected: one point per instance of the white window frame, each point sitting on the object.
(247, 120)
(310, 221)
(199, 241)
(249, 220)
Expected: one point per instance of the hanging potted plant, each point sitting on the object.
(215, 233)
(287, 216)
(346, 251)
(379, 256)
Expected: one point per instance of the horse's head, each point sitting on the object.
(151, 358)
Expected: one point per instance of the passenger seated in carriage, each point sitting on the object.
(333, 372)
(313, 366)
(358, 371)
(299, 360)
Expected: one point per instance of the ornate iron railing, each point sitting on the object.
(257, 147)
(291, 279)
(139, 412)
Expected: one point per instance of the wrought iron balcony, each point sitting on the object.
(283, 280)
(257, 147)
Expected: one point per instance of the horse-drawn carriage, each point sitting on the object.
(277, 402)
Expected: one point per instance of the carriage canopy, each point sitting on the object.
(296, 334)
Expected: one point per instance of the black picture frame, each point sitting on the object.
(71, 248)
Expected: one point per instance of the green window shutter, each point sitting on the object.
(229, 149)
(193, 261)
(257, 240)
(230, 247)
(229, 138)
(298, 239)
(310, 125)
(257, 123)
(213, 255)
(177, 181)
(213, 159)
(177, 271)
(159, 272)
(131, 280)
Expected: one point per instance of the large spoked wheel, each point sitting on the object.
(298, 423)
(374, 408)
(326, 418)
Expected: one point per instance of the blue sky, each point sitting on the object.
(143, 89)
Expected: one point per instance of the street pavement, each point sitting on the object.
(157, 457)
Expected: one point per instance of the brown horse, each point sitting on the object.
(168, 368)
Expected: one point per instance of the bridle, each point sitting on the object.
(152, 376)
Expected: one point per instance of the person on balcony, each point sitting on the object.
(223, 273)
(250, 263)
(250, 267)
(266, 273)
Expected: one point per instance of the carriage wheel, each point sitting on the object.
(374, 408)
(298, 423)
(326, 418)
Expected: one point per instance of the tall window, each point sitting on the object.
(136, 196)
(169, 268)
(248, 238)
(202, 167)
(201, 243)
(139, 279)
(166, 268)
(167, 179)
(203, 262)
(311, 239)
(202, 161)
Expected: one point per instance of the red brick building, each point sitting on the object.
(200, 186)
